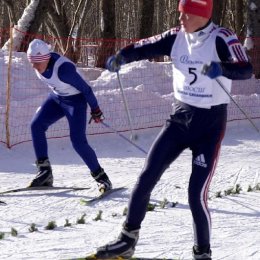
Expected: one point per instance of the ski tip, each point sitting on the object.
(92, 256)
(83, 202)
(2, 203)
(87, 202)
(95, 257)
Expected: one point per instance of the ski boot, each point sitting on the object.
(123, 247)
(201, 252)
(44, 175)
(104, 184)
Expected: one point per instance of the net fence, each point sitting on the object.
(147, 86)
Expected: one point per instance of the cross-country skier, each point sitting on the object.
(69, 98)
(198, 121)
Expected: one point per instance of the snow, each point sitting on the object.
(249, 43)
(166, 232)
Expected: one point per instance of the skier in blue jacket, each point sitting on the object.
(69, 98)
(198, 121)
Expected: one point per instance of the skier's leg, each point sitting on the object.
(165, 149)
(45, 116)
(205, 153)
(76, 112)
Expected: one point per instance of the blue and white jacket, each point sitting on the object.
(63, 78)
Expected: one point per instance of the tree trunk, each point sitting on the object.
(253, 34)
(147, 14)
(239, 17)
(77, 43)
(219, 11)
(11, 11)
(160, 17)
(58, 25)
(108, 32)
(23, 25)
(39, 16)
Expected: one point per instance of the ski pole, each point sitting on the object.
(240, 108)
(125, 138)
(133, 136)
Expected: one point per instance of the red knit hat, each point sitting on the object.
(197, 7)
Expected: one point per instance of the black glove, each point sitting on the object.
(114, 62)
(96, 115)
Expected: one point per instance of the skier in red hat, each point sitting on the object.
(197, 123)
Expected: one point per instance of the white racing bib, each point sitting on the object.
(189, 53)
(55, 84)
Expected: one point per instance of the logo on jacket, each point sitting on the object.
(185, 60)
(200, 161)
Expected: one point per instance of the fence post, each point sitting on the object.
(8, 90)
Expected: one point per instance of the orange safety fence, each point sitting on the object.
(147, 85)
(86, 52)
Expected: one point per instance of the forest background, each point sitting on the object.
(119, 19)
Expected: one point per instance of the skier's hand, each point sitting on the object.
(212, 70)
(114, 62)
(96, 115)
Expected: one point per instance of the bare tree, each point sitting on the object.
(253, 32)
(147, 15)
(11, 10)
(57, 18)
(73, 42)
(239, 17)
(159, 16)
(24, 24)
(67, 24)
(108, 31)
(171, 13)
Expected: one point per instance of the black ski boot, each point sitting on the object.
(201, 252)
(104, 184)
(44, 175)
(123, 247)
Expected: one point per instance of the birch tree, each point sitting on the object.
(23, 25)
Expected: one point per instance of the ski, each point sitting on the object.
(94, 257)
(2, 203)
(43, 188)
(86, 202)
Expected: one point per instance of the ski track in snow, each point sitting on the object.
(166, 232)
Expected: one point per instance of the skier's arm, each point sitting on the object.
(234, 61)
(152, 47)
(67, 73)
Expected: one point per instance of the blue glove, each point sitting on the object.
(212, 70)
(114, 63)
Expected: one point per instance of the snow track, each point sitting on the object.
(166, 232)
